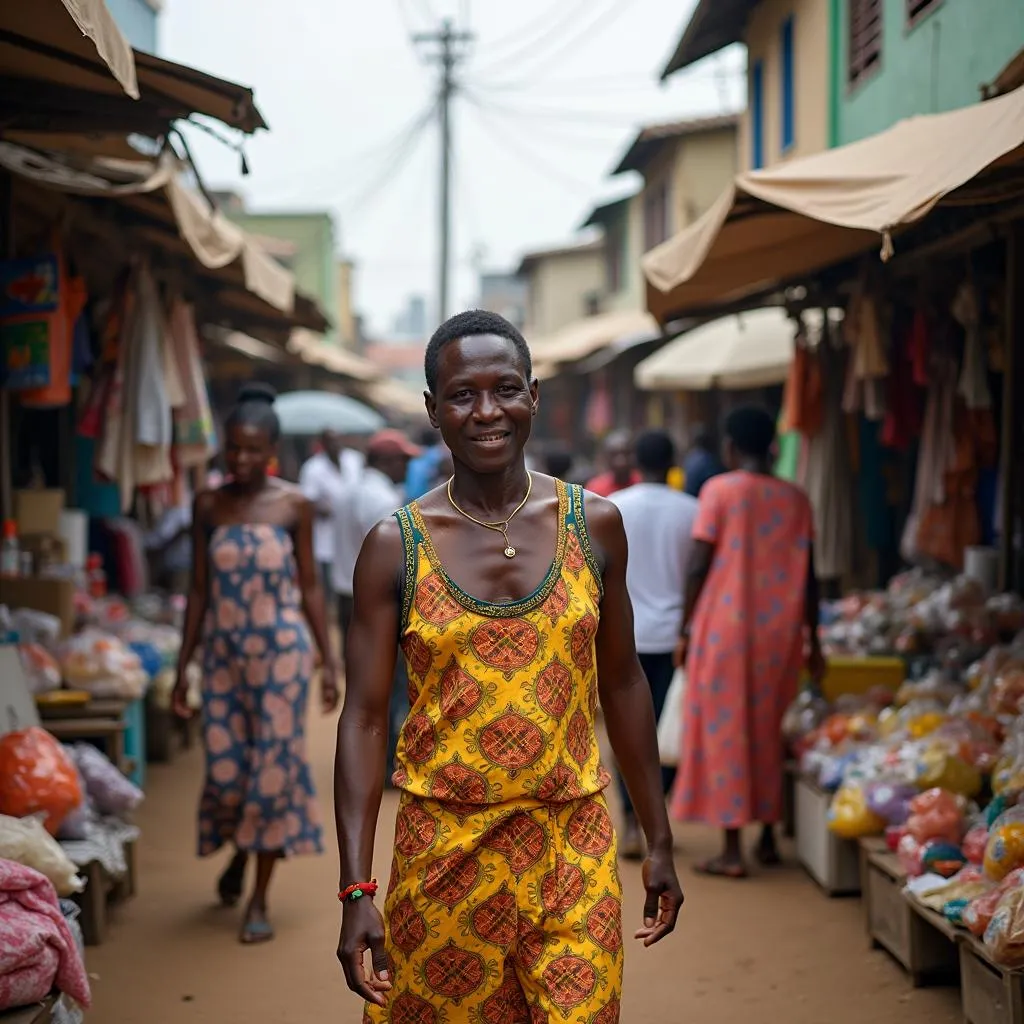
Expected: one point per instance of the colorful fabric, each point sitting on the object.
(258, 792)
(504, 902)
(503, 913)
(746, 650)
(604, 483)
(502, 695)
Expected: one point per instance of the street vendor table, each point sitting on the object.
(118, 726)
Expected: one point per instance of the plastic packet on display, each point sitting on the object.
(849, 816)
(936, 814)
(26, 841)
(37, 776)
(1004, 936)
(1004, 852)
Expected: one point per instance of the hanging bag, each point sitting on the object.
(670, 724)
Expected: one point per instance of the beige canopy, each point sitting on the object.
(317, 352)
(749, 350)
(772, 226)
(47, 38)
(583, 337)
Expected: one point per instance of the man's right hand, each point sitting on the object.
(362, 930)
(679, 654)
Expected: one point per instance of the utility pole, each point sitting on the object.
(449, 41)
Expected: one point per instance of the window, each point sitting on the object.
(865, 42)
(917, 9)
(655, 214)
(757, 115)
(788, 86)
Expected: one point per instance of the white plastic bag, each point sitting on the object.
(670, 724)
(26, 841)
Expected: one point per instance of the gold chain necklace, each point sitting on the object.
(500, 527)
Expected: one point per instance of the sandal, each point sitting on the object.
(719, 868)
(255, 932)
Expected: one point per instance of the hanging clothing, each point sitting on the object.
(194, 434)
(826, 477)
(502, 820)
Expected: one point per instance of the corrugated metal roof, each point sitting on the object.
(713, 25)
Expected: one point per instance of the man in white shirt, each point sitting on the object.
(659, 526)
(325, 479)
(377, 493)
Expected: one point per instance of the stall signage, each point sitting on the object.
(29, 286)
(26, 354)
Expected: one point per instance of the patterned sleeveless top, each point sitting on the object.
(503, 695)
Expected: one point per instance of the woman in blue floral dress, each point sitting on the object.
(255, 595)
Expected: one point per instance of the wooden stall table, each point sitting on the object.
(102, 891)
(102, 721)
(37, 1013)
(922, 941)
(992, 993)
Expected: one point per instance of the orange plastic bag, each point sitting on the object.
(37, 776)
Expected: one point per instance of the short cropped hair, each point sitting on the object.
(466, 325)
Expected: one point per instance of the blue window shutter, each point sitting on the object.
(788, 87)
(757, 115)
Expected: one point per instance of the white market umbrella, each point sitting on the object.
(748, 350)
(308, 413)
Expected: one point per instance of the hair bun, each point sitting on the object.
(257, 392)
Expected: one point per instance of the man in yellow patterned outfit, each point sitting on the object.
(507, 591)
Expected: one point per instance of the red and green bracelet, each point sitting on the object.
(358, 890)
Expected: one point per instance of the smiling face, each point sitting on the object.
(485, 404)
(247, 452)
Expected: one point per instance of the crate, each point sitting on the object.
(832, 862)
(923, 942)
(991, 994)
(859, 675)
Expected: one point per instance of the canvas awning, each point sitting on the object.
(56, 80)
(773, 226)
(317, 352)
(583, 337)
(395, 398)
(748, 350)
(165, 211)
(51, 39)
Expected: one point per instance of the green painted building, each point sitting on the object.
(892, 59)
(305, 244)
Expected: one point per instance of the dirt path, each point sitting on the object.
(770, 948)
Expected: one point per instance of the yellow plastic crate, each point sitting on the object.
(858, 675)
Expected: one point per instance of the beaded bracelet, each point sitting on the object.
(358, 890)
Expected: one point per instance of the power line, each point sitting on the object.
(547, 28)
(531, 159)
(604, 18)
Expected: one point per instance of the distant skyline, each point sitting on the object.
(539, 123)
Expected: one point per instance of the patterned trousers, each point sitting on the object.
(503, 914)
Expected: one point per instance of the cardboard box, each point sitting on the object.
(55, 597)
(39, 511)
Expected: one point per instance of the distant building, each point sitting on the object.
(562, 285)
(305, 244)
(401, 359)
(411, 322)
(505, 294)
(137, 19)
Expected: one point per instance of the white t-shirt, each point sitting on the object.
(373, 497)
(659, 527)
(325, 484)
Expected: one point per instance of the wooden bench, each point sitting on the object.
(991, 993)
(919, 939)
(103, 891)
(37, 1013)
(99, 720)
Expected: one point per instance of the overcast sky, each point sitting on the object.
(553, 90)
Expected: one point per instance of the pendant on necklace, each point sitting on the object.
(510, 552)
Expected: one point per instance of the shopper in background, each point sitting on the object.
(169, 546)
(377, 494)
(701, 462)
(255, 596)
(749, 627)
(659, 526)
(325, 479)
(558, 463)
(423, 469)
(621, 472)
